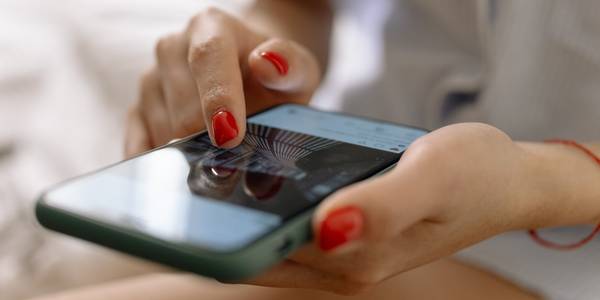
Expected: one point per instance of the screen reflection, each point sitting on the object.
(277, 171)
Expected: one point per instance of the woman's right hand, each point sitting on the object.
(211, 75)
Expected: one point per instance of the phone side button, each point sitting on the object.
(285, 247)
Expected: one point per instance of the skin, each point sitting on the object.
(452, 188)
(215, 63)
(450, 279)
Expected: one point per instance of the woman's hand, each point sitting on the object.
(452, 188)
(211, 76)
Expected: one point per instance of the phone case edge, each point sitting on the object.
(226, 267)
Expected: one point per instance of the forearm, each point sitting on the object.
(562, 185)
(306, 22)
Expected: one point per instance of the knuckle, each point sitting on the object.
(475, 132)
(435, 161)
(431, 153)
(201, 50)
(490, 132)
(161, 48)
(484, 128)
(164, 45)
(147, 84)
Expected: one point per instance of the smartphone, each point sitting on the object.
(228, 214)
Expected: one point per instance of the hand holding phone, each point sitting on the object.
(227, 213)
(452, 188)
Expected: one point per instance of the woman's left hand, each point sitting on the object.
(452, 188)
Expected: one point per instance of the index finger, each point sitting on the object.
(213, 58)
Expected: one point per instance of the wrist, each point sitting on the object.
(558, 186)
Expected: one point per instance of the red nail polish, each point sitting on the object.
(224, 127)
(341, 226)
(277, 60)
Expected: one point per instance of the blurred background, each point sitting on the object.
(68, 71)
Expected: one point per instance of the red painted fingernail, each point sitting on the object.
(277, 60)
(224, 127)
(340, 227)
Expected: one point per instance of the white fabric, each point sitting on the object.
(68, 70)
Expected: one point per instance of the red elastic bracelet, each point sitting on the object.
(533, 233)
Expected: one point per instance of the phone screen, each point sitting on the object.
(193, 193)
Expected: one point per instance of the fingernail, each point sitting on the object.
(340, 227)
(277, 60)
(224, 127)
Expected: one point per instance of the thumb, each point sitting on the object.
(375, 210)
(285, 66)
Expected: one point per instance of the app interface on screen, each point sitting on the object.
(291, 158)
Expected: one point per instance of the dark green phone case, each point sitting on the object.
(226, 267)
